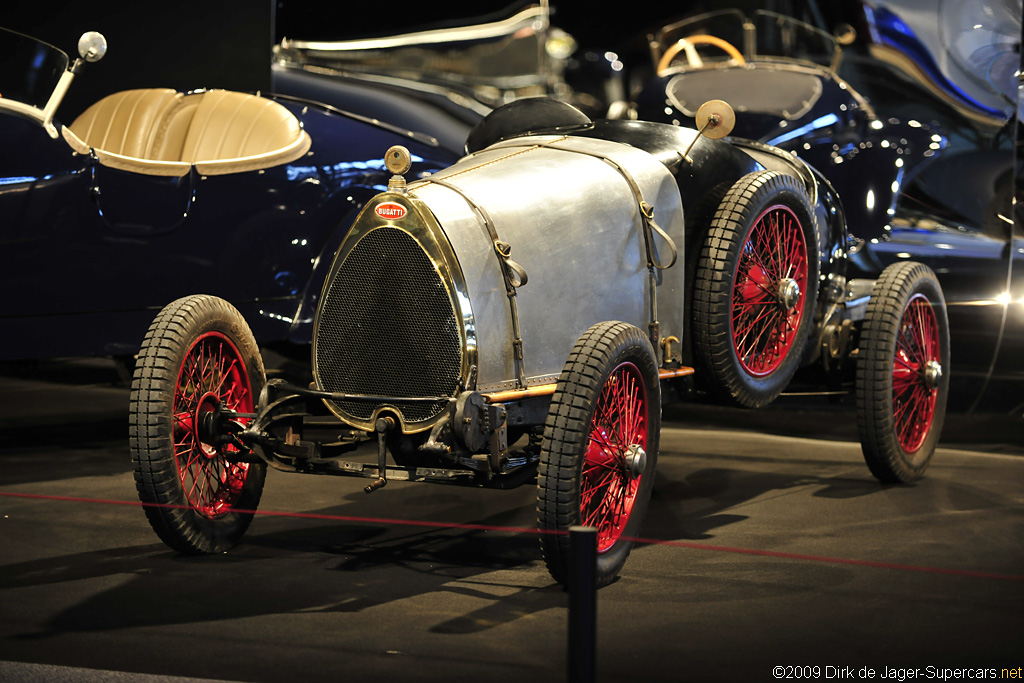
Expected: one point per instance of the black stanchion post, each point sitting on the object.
(582, 603)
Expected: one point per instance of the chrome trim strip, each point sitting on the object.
(524, 19)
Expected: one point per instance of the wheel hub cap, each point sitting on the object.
(788, 293)
(932, 374)
(204, 424)
(636, 461)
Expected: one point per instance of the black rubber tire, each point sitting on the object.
(606, 348)
(716, 354)
(196, 324)
(890, 458)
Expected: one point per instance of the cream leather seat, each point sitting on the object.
(163, 132)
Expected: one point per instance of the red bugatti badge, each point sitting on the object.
(391, 211)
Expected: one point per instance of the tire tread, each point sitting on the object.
(150, 436)
(566, 432)
(713, 344)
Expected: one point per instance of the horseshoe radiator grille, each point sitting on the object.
(386, 327)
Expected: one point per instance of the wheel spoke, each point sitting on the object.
(761, 244)
(763, 331)
(771, 337)
(761, 326)
(211, 374)
(607, 490)
(916, 346)
(591, 493)
(755, 258)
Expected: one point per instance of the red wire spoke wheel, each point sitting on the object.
(915, 363)
(612, 464)
(755, 287)
(600, 448)
(903, 372)
(212, 377)
(768, 291)
(198, 360)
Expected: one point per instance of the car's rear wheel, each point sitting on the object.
(600, 448)
(902, 382)
(199, 358)
(755, 288)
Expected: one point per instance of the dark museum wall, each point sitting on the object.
(185, 45)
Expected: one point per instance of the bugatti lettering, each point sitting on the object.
(391, 211)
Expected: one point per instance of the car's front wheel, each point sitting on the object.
(600, 448)
(198, 359)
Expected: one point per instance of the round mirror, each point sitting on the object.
(845, 34)
(715, 119)
(92, 46)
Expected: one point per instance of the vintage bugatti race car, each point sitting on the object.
(524, 313)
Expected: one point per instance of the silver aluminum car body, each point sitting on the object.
(579, 237)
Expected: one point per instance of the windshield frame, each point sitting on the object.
(519, 55)
(64, 75)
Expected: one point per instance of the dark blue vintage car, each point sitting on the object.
(150, 194)
(925, 170)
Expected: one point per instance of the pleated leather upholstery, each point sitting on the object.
(128, 122)
(220, 131)
(229, 125)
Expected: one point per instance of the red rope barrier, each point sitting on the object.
(531, 530)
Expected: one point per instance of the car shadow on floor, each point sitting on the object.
(299, 566)
(292, 568)
(693, 506)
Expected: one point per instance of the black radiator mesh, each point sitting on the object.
(387, 328)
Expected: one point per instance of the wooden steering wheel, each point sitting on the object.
(693, 59)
